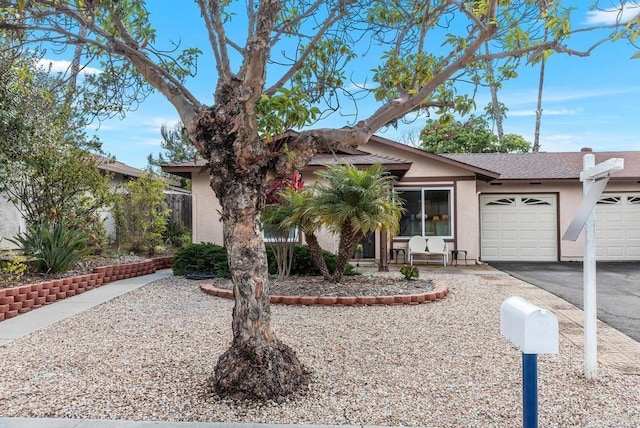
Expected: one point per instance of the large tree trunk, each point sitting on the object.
(257, 365)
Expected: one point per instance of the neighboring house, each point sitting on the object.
(12, 222)
(496, 207)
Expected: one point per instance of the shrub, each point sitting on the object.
(175, 234)
(54, 247)
(212, 259)
(204, 258)
(303, 263)
(140, 215)
(409, 272)
(14, 268)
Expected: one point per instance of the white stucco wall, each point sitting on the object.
(11, 223)
(207, 226)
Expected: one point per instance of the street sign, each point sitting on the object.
(593, 184)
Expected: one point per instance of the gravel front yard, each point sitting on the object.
(147, 356)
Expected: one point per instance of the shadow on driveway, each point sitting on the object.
(617, 288)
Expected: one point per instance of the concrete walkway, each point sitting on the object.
(40, 318)
(615, 349)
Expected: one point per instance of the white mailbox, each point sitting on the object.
(534, 330)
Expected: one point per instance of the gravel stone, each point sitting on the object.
(148, 355)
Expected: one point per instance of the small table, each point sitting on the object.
(454, 256)
(396, 253)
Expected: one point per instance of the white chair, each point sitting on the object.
(417, 245)
(437, 246)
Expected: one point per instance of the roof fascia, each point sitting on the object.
(483, 174)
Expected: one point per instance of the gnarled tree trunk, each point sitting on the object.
(257, 365)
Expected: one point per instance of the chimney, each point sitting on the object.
(586, 150)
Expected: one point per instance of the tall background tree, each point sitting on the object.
(470, 136)
(309, 44)
(176, 147)
(48, 165)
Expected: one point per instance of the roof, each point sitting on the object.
(362, 158)
(347, 155)
(354, 156)
(118, 167)
(184, 168)
(412, 152)
(546, 165)
(111, 165)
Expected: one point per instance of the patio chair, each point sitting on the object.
(437, 246)
(417, 245)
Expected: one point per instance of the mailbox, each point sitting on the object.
(534, 330)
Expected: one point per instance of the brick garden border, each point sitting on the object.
(440, 290)
(24, 298)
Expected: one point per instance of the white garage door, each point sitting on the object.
(518, 227)
(618, 227)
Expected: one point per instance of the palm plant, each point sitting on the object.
(353, 202)
(301, 214)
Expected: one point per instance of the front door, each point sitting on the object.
(369, 246)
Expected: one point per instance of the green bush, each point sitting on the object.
(212, 259)
(303, 263)
(175, 233)
(53, 247)
(14, 268)
(140, 213)
(204, 258)
(409, 272)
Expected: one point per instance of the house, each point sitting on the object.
(494, 207)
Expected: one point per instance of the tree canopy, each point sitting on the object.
(470, 136)
(48, 165)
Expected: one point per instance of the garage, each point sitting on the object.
(518, 227)
(618, 227)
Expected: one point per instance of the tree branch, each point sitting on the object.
(296, 66)
(217, 36)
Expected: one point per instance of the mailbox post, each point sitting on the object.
(534, 331)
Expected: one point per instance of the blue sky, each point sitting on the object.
(588, 102)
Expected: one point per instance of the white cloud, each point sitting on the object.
(545, 112)
(133, 123)
(62, 66)
(613, 15)
(158, 121)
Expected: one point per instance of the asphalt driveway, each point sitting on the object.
(617, 288)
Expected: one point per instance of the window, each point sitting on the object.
(428, 212)
(271, 234)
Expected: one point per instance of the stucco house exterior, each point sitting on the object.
(495, 207)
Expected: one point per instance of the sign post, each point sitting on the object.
(594, 179)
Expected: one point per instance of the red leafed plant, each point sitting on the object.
(295, 182)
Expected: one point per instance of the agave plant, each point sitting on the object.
(53, 246)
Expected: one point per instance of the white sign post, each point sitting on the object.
(594, 179)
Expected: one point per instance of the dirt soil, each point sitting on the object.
(357, 285)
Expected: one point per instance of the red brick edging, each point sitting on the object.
(440, 290)
(19, 300)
